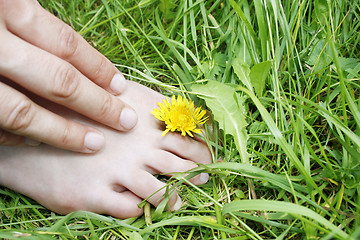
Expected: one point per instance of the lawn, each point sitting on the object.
(281, 79)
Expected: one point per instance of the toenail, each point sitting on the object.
(118, 83)
(178, 204)
(204, 177)
(94, 141)
(128, 118)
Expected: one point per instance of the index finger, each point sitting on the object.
(58, 81)
(32, 23)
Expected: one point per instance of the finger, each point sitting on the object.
(186, 148)
(169, 164)
(29, 21)
(20, 116)
(146, 186)
(52, 78)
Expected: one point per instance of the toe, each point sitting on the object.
(187, 148)
(121, 205)
(168, 164)
(146, 186)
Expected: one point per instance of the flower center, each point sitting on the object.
(182, 116)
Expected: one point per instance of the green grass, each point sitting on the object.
(290, 170)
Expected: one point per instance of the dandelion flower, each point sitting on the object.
(180, 115)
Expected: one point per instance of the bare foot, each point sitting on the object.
(116, 179)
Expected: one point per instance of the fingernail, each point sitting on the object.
(178, 204)
(94, 141)
(118, 83)
(128, 118)
(204, 177)
(31, 142)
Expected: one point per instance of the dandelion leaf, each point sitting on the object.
(254, 78)
(214, 66)
(258, 75)
(220, 59)
(228, 109)
(242, 71)
(320, 55)
(350, 65)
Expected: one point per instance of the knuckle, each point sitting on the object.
(65, 81)
(24, 11)
(68, 42)
(101, 71)
(65, 139)
(21, 116)
(107, 107)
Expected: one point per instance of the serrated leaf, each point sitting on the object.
(229, 111)
(210, 69)
(242, 71)
(348, 63)
(258, 74)
(220, 59)
(320, 55)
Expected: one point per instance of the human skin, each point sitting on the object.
(47, 57)
(114, 180)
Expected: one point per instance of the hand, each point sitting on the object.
(40, 53)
